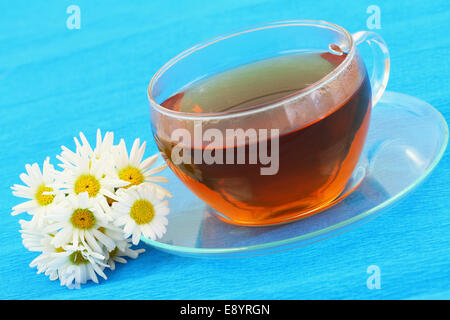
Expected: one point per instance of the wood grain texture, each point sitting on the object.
(55, 82)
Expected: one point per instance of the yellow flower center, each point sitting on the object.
(142, 211)
(113, 253)
(87, 183)
(131, 174)
(77, 258)
(110, 201)
(44, 199)
(82, 219)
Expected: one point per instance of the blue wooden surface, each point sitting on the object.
(55, 82)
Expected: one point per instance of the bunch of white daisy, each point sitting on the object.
(89, 215)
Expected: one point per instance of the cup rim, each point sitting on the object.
(222, 115)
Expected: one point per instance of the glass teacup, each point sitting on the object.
(273, 162)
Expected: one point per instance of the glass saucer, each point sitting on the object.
(406, 140)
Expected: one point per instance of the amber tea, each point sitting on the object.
(315, 158)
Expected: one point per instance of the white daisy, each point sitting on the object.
(83, 174)
(102, 150)
(81, 265)
(141, 210)
(117, 254)
(135, 170)
(79, 221)
(49, 254)
(72, 265)
(37, 187)
(32, 235)
(104, 147)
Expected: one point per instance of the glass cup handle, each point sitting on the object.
(380, 54)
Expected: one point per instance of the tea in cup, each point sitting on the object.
(267, 125)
